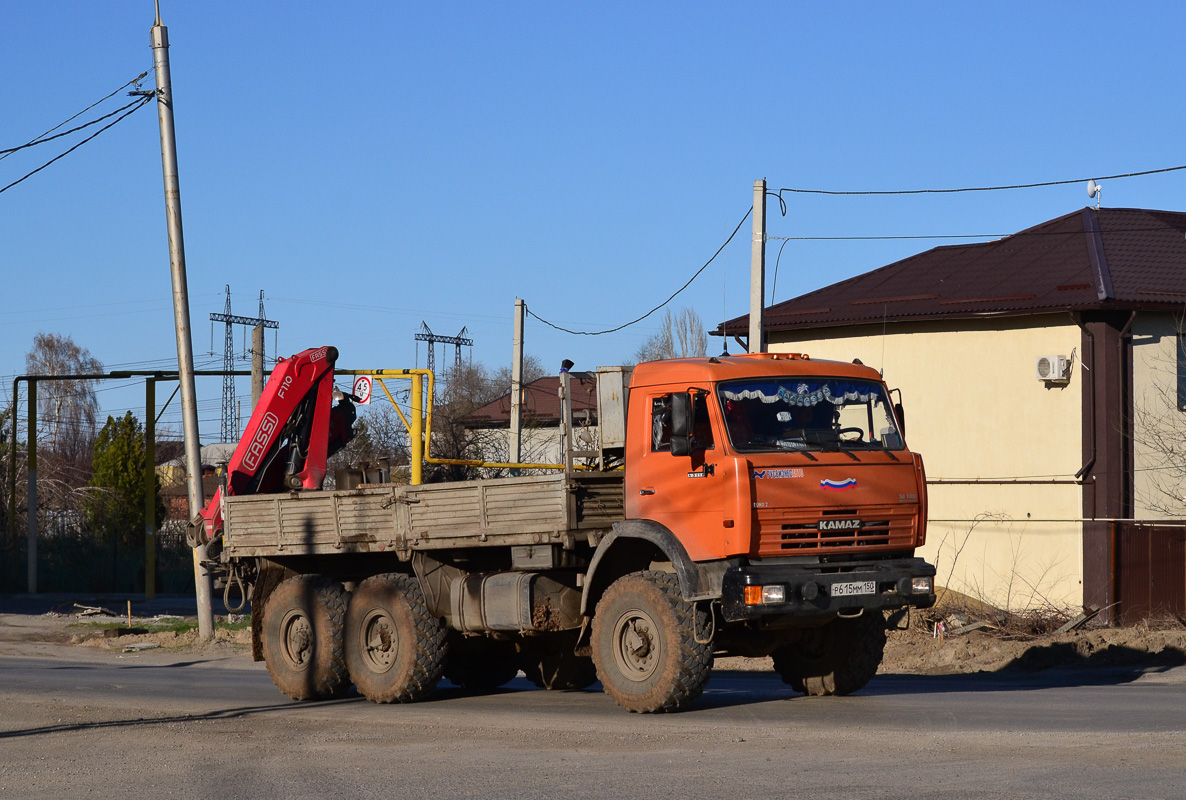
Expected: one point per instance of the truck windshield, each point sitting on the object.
(767, 415)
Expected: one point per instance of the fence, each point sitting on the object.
(73, 558)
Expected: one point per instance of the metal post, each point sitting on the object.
(516, 437)
(149, 488)
(31, 504)
(185, 350)
(757, 280)
(416, 434)
(257, 364)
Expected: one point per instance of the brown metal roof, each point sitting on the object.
(541, 403)
(1110, 258)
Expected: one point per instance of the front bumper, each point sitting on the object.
(810, 589)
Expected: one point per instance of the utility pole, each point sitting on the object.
(757, 278)
(185, 350)
(516, 443)
(257, 363)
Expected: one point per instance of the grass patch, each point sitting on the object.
(178, 625)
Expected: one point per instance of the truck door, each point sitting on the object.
(691, 489)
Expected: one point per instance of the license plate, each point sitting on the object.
(856, 587)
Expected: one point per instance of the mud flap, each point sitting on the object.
(899, 620)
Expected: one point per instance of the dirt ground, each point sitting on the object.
(917, 651)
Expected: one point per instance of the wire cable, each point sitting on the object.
(988, 188)
(656, 308)
(39, 139)
(95, 121)
(954, 235)
(133, 108)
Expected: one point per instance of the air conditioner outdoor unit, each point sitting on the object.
(1055, 369)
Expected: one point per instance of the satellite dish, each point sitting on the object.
(1094, 190)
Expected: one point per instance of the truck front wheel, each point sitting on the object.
(834, 659)
(644, 644)
(302, 637)
(395, 649)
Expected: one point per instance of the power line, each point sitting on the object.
(952, 235)
(94, 121)
(987, 188)
(133, 107)
(656, 308)
(41, 138)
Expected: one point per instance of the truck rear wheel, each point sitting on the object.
(644, 644)
(478, 664)
(395, 649)
(302, 637)
(835, 659)
(554, 665)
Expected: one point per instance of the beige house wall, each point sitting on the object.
(1158, 425)
(977, 412)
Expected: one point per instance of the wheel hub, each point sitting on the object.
(380, 644)
(297, 639)
(636, 645)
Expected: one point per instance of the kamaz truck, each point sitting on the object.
(752, 505)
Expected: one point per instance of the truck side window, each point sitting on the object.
(661, 423)
(701, 427)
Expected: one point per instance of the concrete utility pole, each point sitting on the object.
(185, 349)
(517, 386)
(257, 364)
(757, 279)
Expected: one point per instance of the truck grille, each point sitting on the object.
(785, 532)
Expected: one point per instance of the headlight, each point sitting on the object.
(922, 585)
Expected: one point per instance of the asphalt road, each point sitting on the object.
(76, 722)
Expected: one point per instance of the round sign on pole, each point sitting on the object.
(362, 389)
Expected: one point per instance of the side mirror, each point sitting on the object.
(681, 424)
(901, 415)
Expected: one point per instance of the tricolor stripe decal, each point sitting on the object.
(838, 486)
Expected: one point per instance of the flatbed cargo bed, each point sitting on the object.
(537, 509)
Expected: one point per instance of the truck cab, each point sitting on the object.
(785, 480)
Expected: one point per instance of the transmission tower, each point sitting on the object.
(230, 409)
(460, 340)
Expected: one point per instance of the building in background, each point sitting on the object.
(1044, 383)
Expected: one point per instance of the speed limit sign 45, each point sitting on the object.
(362, 389)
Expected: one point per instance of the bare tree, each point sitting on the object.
(681, 336)
(66, 408)
(533, 370)
(66, 428)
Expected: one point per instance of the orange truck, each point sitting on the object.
(752, 505)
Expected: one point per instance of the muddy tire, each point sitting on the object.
(835, 659)
(554, 665)
(395, 649)
(302, 637)
(644, 644)
(478, 664)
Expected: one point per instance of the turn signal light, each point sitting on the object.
(760, 595)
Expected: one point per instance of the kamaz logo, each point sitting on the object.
(259, 445)
(839, 524)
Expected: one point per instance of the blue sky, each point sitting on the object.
(372, 165)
